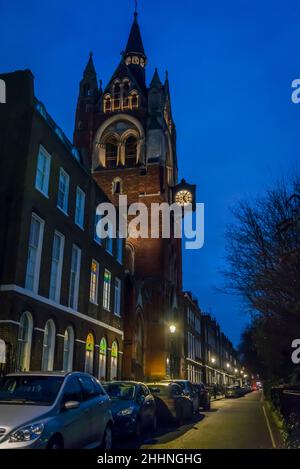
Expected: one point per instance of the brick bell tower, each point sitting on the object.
(127, 137)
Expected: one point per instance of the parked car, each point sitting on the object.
(171, 402)
(203, 395)
(54, 411)
(188, 390)
(234, 391)
(133, 407)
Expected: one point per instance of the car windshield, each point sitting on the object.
(31, 390)
(123, 391)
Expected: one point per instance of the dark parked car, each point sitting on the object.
(53, 410)
(234, 391)
(188, 390)
(133, 407)
(203, 395)
(171, 402)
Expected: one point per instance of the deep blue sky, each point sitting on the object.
(230, 65)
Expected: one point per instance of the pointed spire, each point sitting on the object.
(90, 68)
(155, 82)
(135, 43)
(167, 80)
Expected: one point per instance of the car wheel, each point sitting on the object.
(107, 438)
(55, 443)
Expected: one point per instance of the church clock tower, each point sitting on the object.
(128, 138)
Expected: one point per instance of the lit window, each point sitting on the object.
(43, 171)
(114, 361)
(48, 346)
(102, 359)
(56, 266)
(79, 210)
(74, 277)
(111, 153)
(106, 289)
(89, 354)
(34, 253)
(117, 304)
(130, 151)
(63, 190)
(94, 282)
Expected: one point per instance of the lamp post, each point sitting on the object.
(172, 330)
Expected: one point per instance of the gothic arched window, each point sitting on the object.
(134, 100)
(117, 186)
(126, 95)
(117, 96)
(130, 151)
(107, 104)
(111, 153)
(24, 342)
(89, 354)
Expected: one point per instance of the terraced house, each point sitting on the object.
(61, 287)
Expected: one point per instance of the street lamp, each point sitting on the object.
(227, 364)
(172, 329)
(235, 370)
(213, 360)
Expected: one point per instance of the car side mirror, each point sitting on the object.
(69, 405)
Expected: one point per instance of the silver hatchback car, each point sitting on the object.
(54, 410)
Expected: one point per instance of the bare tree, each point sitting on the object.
(263, 254)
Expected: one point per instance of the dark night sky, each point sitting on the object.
(230, 66)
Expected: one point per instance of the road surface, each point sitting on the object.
(231, 424)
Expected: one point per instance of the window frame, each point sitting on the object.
(63, 209)
(74, 304)
(95, 299)
(59, 267)
(37, 266)
(117, 297)
(48, 158)
(106, 303)
(80, 222)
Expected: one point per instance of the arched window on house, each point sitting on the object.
(68, 349)
(48, 346)
(102, 359)
(24, 342)
(117, 96)
(89, 354)
(130, 151)
(117, 186)
(114, 360)
(111, 153)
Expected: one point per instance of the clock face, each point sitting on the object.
(183, 197)
(135, 60)
(128, 61)
(142, 63)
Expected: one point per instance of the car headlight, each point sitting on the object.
(127, 411)
(28, 433)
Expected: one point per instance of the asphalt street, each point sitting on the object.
(231, 424)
